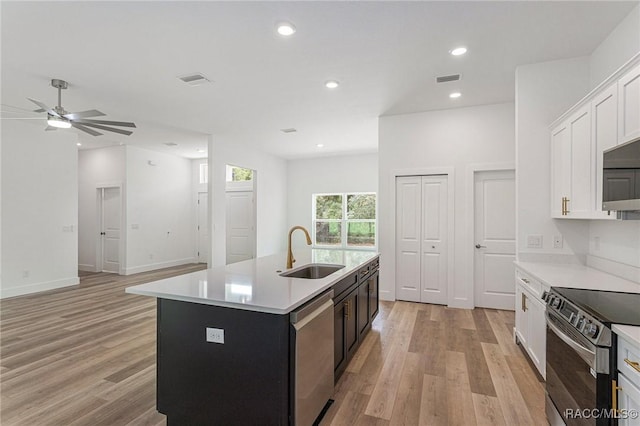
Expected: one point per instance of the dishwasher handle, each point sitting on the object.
(312, 308)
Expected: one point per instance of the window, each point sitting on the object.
(238, 174)
(204, 172)
(344, 220)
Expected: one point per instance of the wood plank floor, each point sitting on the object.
(86, 356)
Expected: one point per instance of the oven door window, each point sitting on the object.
(571, 384)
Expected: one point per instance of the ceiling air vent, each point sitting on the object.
(195, 79)
(171, 144)
(291, 130)
(447, 78)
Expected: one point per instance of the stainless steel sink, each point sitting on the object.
(312, 271)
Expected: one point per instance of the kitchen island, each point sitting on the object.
(225, 340)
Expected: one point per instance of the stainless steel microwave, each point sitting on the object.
(621, 177)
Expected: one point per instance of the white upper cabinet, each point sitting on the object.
(604, 111)
(629, 105)
(606, 117)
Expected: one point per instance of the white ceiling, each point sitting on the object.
(123, 58)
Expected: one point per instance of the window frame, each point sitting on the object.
(344, 222)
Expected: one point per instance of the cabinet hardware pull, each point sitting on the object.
(525, 280)
(614, 396)
(346, 309)
(634, 364)
(523, 302)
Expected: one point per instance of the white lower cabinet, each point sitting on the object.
(531, 326)
(628, 363)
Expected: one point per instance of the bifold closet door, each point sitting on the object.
(421, 238)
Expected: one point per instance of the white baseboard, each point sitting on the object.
(159, 265)
(87, 268)
(628, 272)
(21, 290)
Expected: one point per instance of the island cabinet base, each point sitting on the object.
(244, 381)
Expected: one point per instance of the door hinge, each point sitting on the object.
(198, 254)
(198, 227)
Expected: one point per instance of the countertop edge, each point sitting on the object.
(629, 333)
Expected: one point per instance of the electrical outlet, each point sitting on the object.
(534, 241)
(215, 335)
(557, 241)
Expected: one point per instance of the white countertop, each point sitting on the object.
(254, 285)
(580, 276)
(577, 276)
(628, 332)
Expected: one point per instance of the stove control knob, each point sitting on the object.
(591, 330)
(556, 302)
(580, 323)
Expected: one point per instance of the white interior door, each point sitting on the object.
(494, 252)
(203, 227)
(240, 226)
(421, 238)
(111, 228)
(408, 224)
(434, 240)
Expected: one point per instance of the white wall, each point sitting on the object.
(349, 173)
(159, 210)
(96, 168)
(271, 175)
(39, 209)
(543, 92)
(619, 46)
(456, 138)
(197, 187)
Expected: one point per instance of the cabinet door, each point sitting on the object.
(364, 318)
(351, 324)
(628, 401)
(582, 179)
(560, 168)
(537, 336)
(374, 299)
(339, 329)
(522, 323)
(604, 110)
(629, 106)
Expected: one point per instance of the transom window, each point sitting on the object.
(344, 220)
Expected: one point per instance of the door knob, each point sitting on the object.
(103, 233)
(479, 246)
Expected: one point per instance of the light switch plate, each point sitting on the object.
(534, 241)
(215, 335)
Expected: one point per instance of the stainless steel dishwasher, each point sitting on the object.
(313, 368)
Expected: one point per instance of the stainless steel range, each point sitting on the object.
(581, 370)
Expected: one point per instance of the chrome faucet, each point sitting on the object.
(290, 258)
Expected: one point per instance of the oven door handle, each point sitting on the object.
(586, 354)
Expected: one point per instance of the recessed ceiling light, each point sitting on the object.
(79, 144)
(459, 51)
(286, 29)
(455, 95)
(200, 150)
(332, 84)
(320, 145)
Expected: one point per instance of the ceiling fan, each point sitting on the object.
(59, 118)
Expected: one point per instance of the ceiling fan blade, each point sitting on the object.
(107, 122)
(85, 129)
(98, 126)
(82, 114)
(44, 108)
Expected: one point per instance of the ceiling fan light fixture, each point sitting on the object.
(59, 122)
